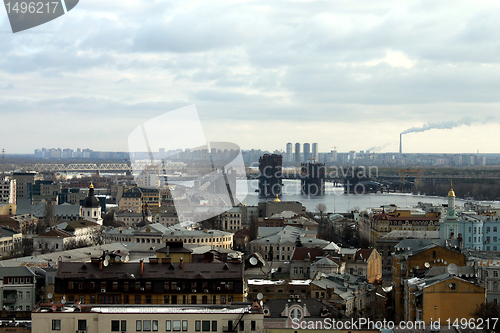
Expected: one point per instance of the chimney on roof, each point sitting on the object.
(141, 267)
(181, 261)
(166, 260)
(153, 260)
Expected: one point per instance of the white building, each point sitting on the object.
(7, 191)
(243, 317)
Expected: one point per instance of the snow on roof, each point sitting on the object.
(260, 282)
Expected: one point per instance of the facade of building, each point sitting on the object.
(17, 286)
(366, 263)
(243, 317)
(415, 256)
(130, 219)
(24, 184)
(156, 282)
(157, 233)
(7, 191)
(131, 200)
(231, 220)
(10, 242)
(280, 243)
(436, 298)
(52, 241)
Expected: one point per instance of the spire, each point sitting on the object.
(451, 193)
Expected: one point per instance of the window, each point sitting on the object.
(166, 299)
(166, 285)
(125, 286)
(115, 326)
(197, 325)
(123, 325)
(214, 325)
(71, 285)
(137, 299)
(205, 326)
(494, 229)
(495, 273)
(146, 325)
(252, 325)
(138, 325)
(82, 324)
(56, 324)
(176, 325)
(223, 299)
(155, 325)
(92, 285)
(453, 286)
(115, 285)
(242, 325)
(168, 325)
(184, 325)
(148, 285)
(137, 285)
(148, 299)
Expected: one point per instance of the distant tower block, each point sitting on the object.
(271, 178)
(312, 180)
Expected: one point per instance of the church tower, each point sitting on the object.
(449, 224)
(91, 209)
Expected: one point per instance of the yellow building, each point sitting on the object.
(409, 260)
(436, 299)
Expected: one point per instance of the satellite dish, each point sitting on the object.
(63, 301)
(49, 295)
(439, 260)
(118, 258)
(427, 265)
(261, 303)
(452, 269)
(107, 257)
(127, 258)
(445, 262)
(253, 261)
(105, 263)
(260, 296)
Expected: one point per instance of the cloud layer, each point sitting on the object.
(88, 78)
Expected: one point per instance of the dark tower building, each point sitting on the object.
(270, 179)
(312, 180)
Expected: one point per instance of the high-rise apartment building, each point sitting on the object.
(315, 153)
(307, 152)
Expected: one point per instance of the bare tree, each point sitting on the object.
(49, 216)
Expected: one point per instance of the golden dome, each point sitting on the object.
(451, 193)
(277, 199)
(91, 185)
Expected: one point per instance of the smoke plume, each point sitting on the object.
(441, 125)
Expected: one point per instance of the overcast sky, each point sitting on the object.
(345, 74)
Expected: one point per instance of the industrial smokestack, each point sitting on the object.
(400, 143)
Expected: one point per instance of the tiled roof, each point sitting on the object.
(151, 271)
